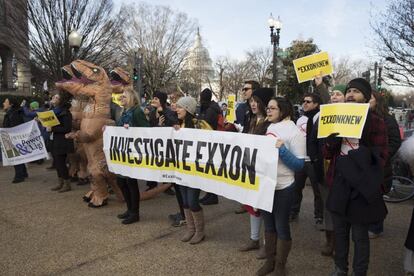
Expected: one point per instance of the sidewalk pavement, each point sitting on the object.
(47, 233)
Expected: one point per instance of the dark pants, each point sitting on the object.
(376, 228)
(300, 179)
(20, 171)
(278, 220)
(360, 238)
(179, 198)
(130, 191)
(60, 164)
(190, 198)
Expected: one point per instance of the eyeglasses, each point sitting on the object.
(271, 108)
(246, 89)
(306, 101)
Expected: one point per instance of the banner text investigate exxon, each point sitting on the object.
(237, 165)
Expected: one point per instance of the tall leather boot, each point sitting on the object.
(282, 253)
(270, 248)
(59, 185)
(199, 227)
(328, 248)
(190, 226)
(66, 186)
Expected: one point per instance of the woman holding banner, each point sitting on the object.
(291, 145)
(258, 102)
(186, 109)
(132, 116)
(60, 145)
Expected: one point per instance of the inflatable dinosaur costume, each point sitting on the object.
(77, 161)
(91, 81)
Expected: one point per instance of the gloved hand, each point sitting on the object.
(332, 139)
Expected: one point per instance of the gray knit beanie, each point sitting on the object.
(188, 103)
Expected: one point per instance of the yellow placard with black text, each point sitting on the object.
(347, 119)
(48, 118)
(116, 98)
(307, 68)
(231, 111)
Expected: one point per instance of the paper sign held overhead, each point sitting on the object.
(307, 68)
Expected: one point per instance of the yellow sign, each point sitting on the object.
(116, 98)
(231, 113)
(48, 118)
(347, 119)
(307, 68)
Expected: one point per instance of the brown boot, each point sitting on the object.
(199, 227)
(66, 186)
(261, 254)
(282, 253)
(270, 248)
(250, 245)
(328, 248)
(59, 185)
(190, 226)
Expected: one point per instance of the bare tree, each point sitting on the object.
(346, 69)
(163, 36)
(50, 23)
(394, 29)
(260, 62)
(235, 74)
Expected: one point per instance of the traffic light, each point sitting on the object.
(135, 75)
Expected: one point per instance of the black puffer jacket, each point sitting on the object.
(210, 113)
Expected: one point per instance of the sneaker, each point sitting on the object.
(131, 219)
(123, 215)
(338, 272)
(179, 223)
(174, 217)
(373, 235)
(319, 224)
(18, 180)
(241, 210)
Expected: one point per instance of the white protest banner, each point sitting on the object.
(21, 144)
(238, 166)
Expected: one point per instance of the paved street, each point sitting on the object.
(46, 233)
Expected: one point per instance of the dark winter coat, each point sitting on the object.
(13, 117)
(170, 117)
(134, 117)
(210, 114)
(356, 191)
(61, 145)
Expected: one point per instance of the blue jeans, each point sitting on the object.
(278, 220)
(342, 229)
(190, 198)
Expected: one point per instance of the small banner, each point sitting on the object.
(231, 111)
(48, 118)
(307, 68)
(238, 166)
(22, 144)
(116, 98)
(347, 119)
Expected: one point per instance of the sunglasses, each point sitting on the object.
(306, 101)
(271, 108)
(246, 89)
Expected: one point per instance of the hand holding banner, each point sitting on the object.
(48, 118)
(308, 67)
(347, 119)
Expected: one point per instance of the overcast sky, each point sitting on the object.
(230, 27)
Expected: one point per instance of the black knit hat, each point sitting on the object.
(362, 85)
(206, 95)
(264, 94)
(162, 96)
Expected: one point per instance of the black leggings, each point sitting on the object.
(60, 163)
(130, 191)
(179, 199)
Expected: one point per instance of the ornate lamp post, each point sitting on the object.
(75, 40)
(275, 27)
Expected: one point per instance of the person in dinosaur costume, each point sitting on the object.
(120, 80)
(77, 161)
(92, 81)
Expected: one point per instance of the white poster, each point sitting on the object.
(241, 167)
(22, 144)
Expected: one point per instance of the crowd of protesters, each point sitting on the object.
(347, 199)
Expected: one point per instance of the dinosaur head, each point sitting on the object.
(81, 74)
(119, 80)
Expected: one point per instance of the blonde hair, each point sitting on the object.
(132, 97)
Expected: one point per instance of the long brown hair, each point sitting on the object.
(380, 107)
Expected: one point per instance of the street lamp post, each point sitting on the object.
(75, 40)
(275, 27)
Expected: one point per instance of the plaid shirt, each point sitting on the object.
(374, 135)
